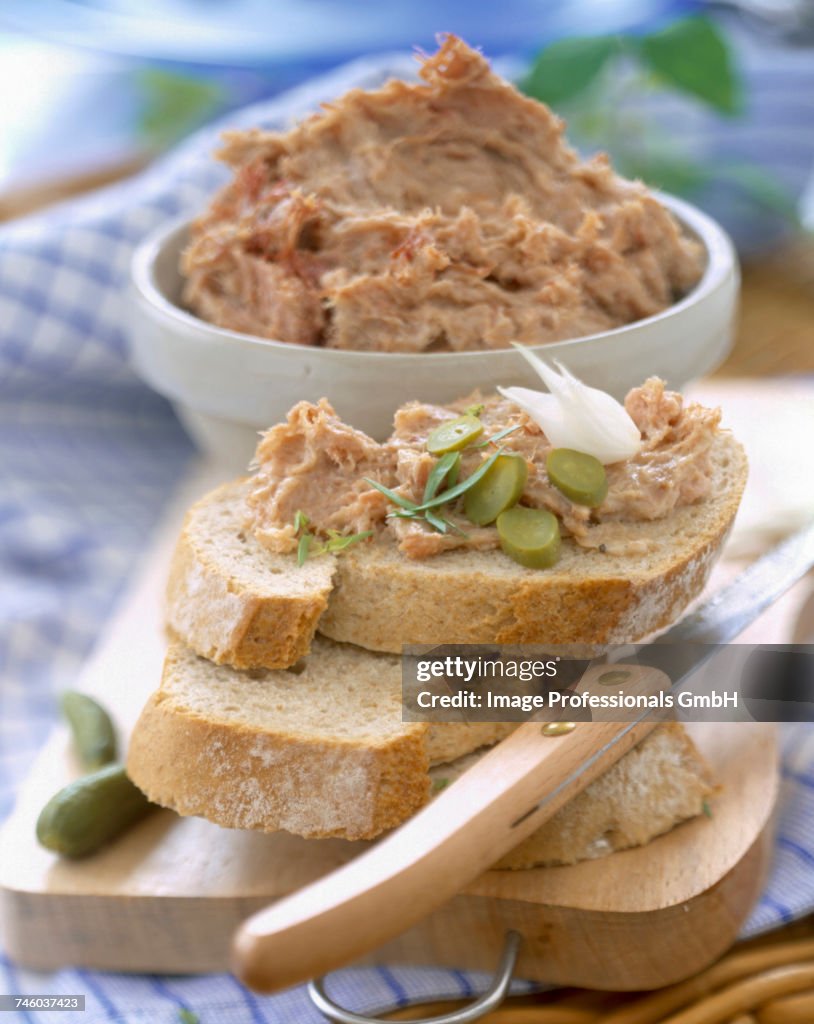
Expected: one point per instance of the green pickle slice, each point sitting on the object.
(580, 477)
(531, 536)
(498, 489)
(453, 435)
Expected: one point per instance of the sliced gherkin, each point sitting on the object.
(531, 536)
(453, 435)
(498, 489)
(580, 477)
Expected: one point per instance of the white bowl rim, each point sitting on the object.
(720, 263)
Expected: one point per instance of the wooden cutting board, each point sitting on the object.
(169, 894)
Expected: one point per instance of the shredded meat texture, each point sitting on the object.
(316, 464)
(671, 469)
(417, 540)
(673, 466)
(445, 215)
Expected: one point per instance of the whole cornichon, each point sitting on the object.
(90, 812)
(93, 733)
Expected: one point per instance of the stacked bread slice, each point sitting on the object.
(280, 702)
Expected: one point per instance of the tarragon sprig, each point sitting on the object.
(426, 509)
(445, 470)
(498, 436)
(309, 544)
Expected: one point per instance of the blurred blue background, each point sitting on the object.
(103, 84)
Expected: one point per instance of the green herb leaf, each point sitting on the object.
(392, 496)
(188, 1017)
(173, 103)
(436, 522)
(706, 808)
(455, 492)
(455, 471)
(439, 784)
(694, 56)
(439, 472)
(440, 523)
(309, 545)
(409, 510)
(498, 436)
(567, 67)
(303, 548)
(456, 529)
(338, 542)
(474, 410)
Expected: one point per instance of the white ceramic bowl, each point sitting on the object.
(226, 385)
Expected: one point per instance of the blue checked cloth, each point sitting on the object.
(88, 456)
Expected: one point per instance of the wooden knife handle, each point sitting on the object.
(492, 807)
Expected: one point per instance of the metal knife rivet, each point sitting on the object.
(558, 728)
(613, 678)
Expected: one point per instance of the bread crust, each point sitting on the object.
(252, 778)
(194, 748)
(263, 776)
(375, 598)
(236, 604)
(241, 622)
(656, 786)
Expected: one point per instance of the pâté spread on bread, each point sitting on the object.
(448, 215)
(482, 473)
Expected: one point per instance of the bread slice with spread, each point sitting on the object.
(333, 533)
(235, 602)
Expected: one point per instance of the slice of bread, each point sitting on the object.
(319, 749)
(659, 784)
(235, 602)
(382, 600)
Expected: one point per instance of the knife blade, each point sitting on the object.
(685, 647)
(728, 612)
(494, 805)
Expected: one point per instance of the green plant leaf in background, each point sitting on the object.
(668, 172)
(693, 55)
(173, 104)
(566, 67)
(760, 188)
(684, 177)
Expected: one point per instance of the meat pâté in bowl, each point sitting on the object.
(399, 242)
